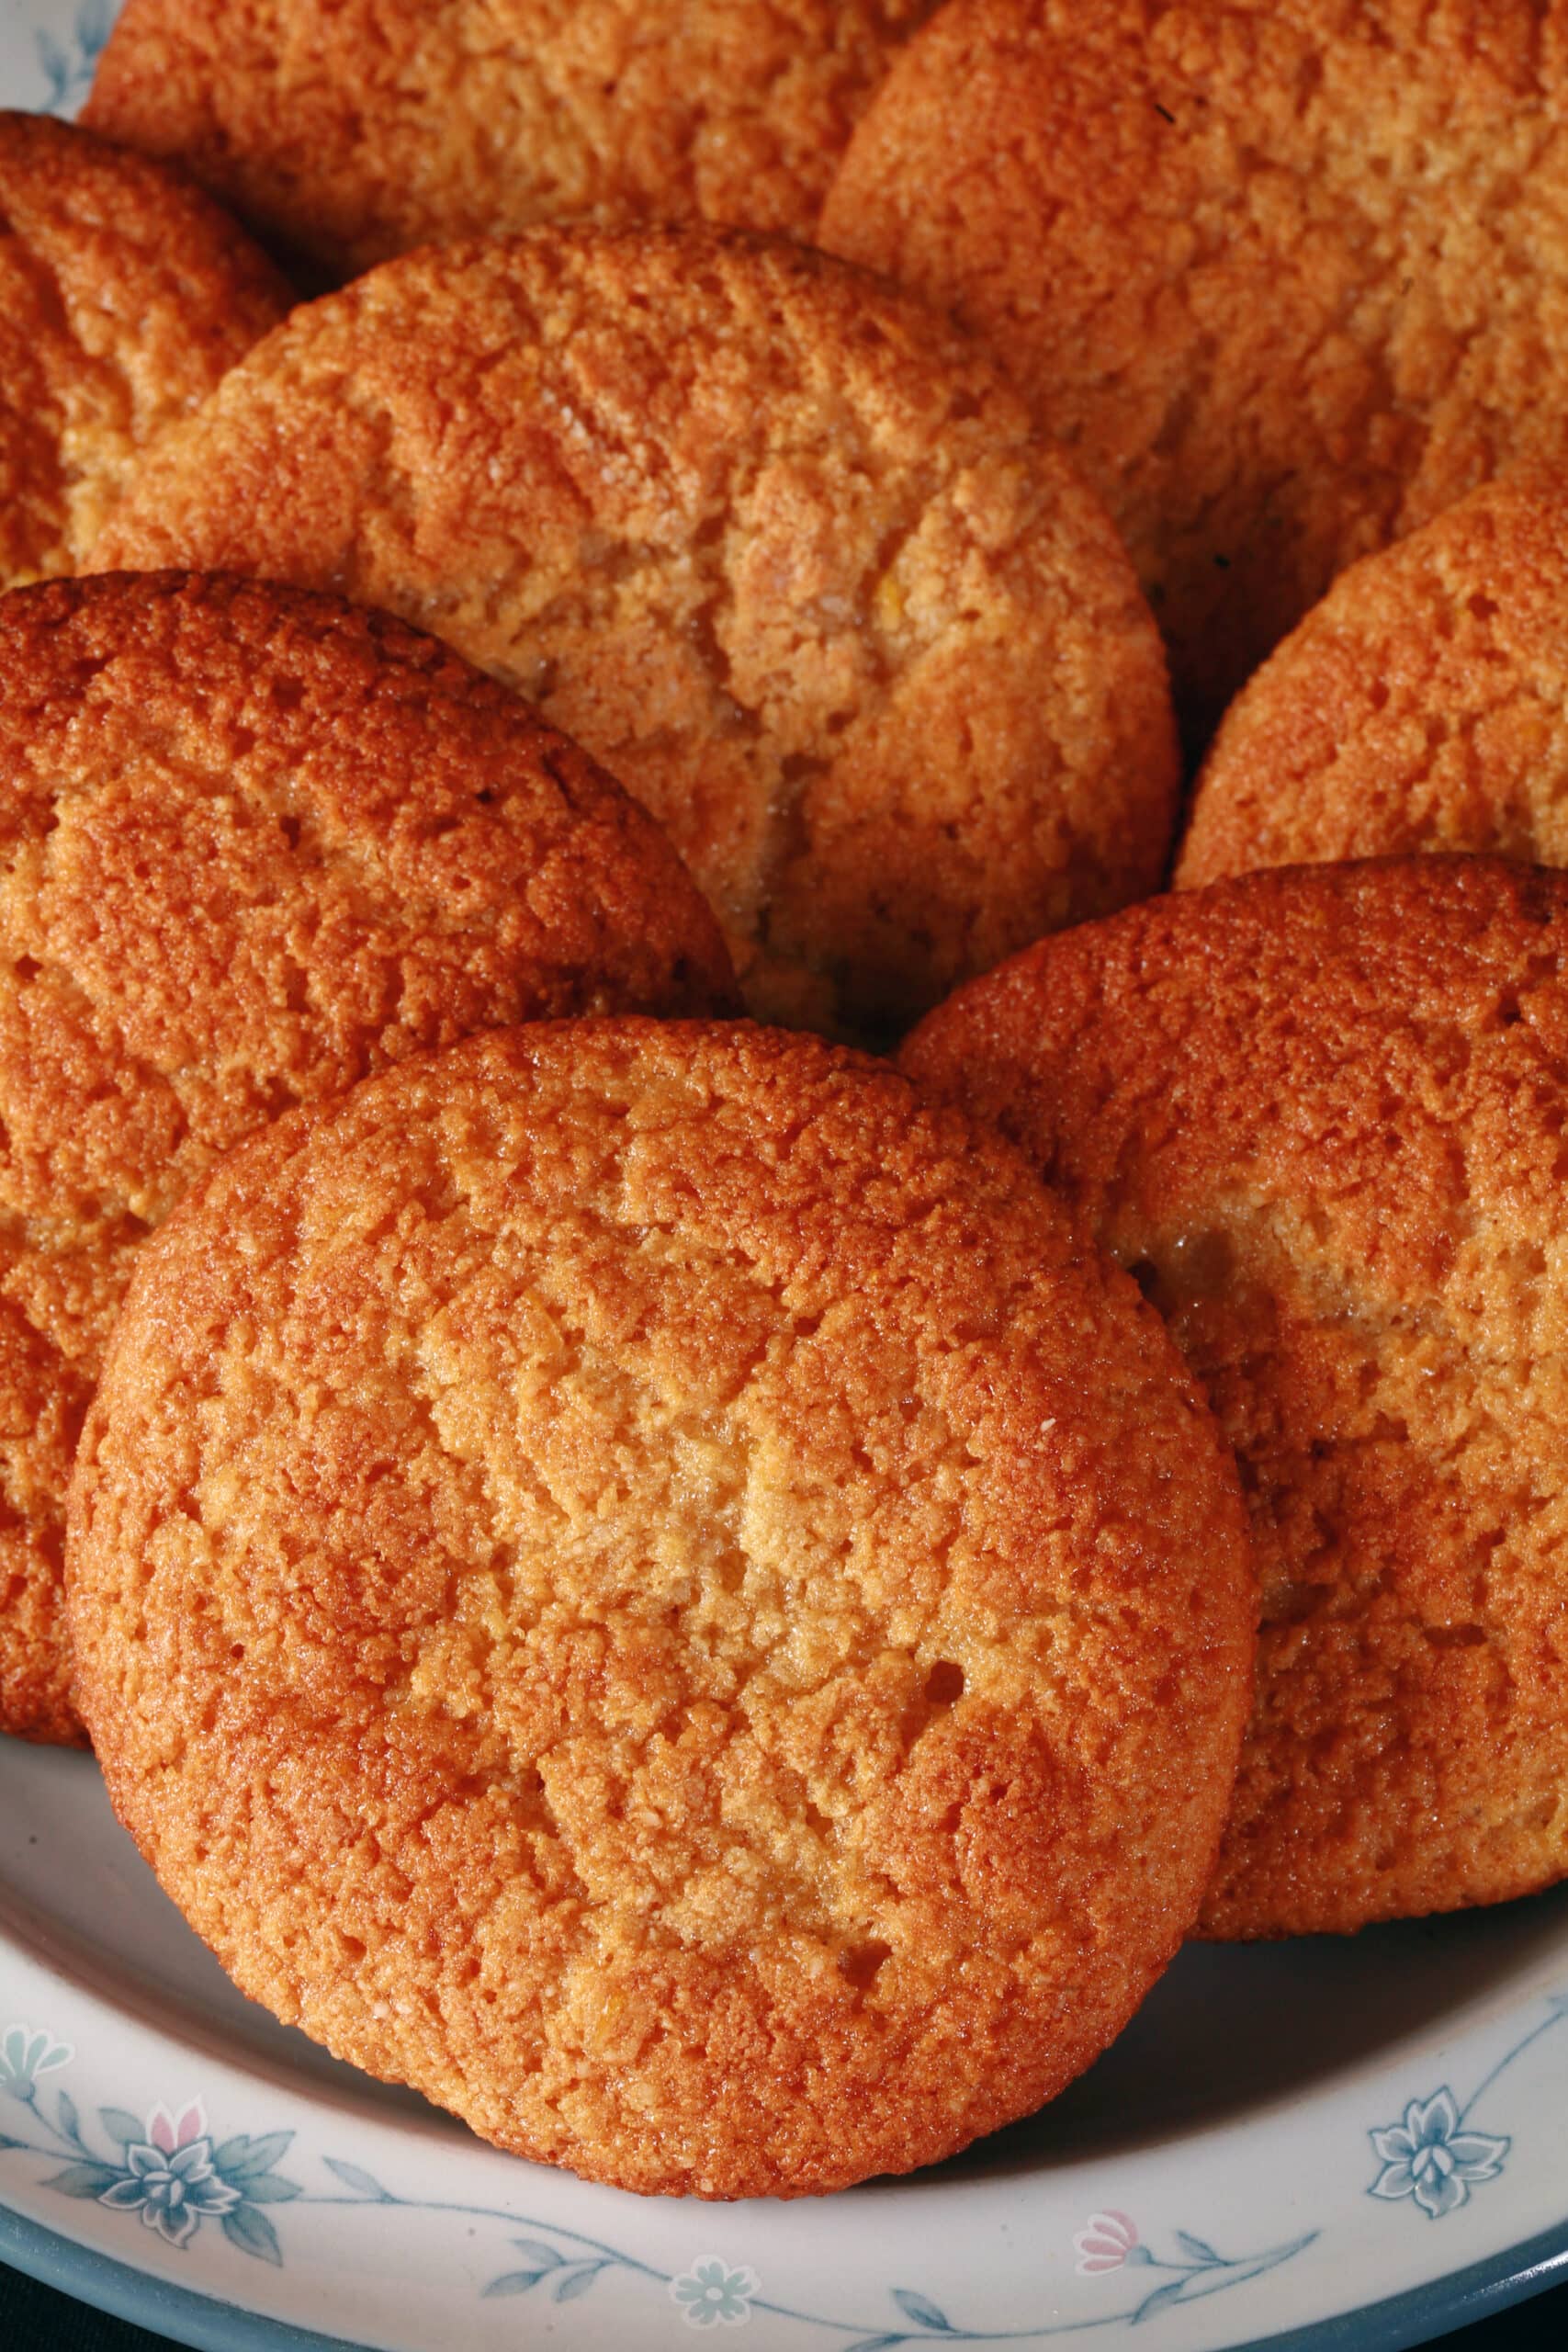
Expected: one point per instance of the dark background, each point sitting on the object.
(35, 2319)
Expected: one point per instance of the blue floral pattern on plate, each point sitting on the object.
(164, 2167)
(1430, 2156)
(68, 65)
(172, 2171)
(711, 2294)
(25, 2055)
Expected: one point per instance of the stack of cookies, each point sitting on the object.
(689, 1590)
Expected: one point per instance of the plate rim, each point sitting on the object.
(209, 2323)
(212, 2321)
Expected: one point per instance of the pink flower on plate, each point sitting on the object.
(1105, 2242)
(164, 2132)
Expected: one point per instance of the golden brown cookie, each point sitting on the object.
(783, 553)
(125, 294)
(355, 129)
(253, 844)
(634, 1578)
(1288, 277)
(1422, 705)
(1320, 1113)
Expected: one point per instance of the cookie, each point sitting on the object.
(253, 844)
(785, 556)
(1288, 277)
(125, 294)
(353, 133)
(1423, 704)
(630, 1576)
(1320, 1114)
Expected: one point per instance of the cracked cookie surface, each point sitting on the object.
(125, 295)
(778, 547)
(632, 1576)
(1321, 1114)
(1288, 277)
(356, 130)
(253, 845)
(1423, 704)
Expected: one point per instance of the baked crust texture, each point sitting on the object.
(631, 1577)
(125, 295)
(1320, 1113)
(1288, 276)
(355, 130)
(780, 549)
(1423, 704)
(253, 845)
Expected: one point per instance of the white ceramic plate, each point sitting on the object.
(1362, 2143)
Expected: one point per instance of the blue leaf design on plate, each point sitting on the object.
(254, 2156)
(70, 2120)
(55, 64)
(921, 2310)
(265, 2189)
(1199, 2248)
(121, 2125)
(1171, 2293)
(252, 2234)
(360, 2182)
(876, 2343)
(86, 2180)
(513, 2282)
(578, 2282)
(533, 2250)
